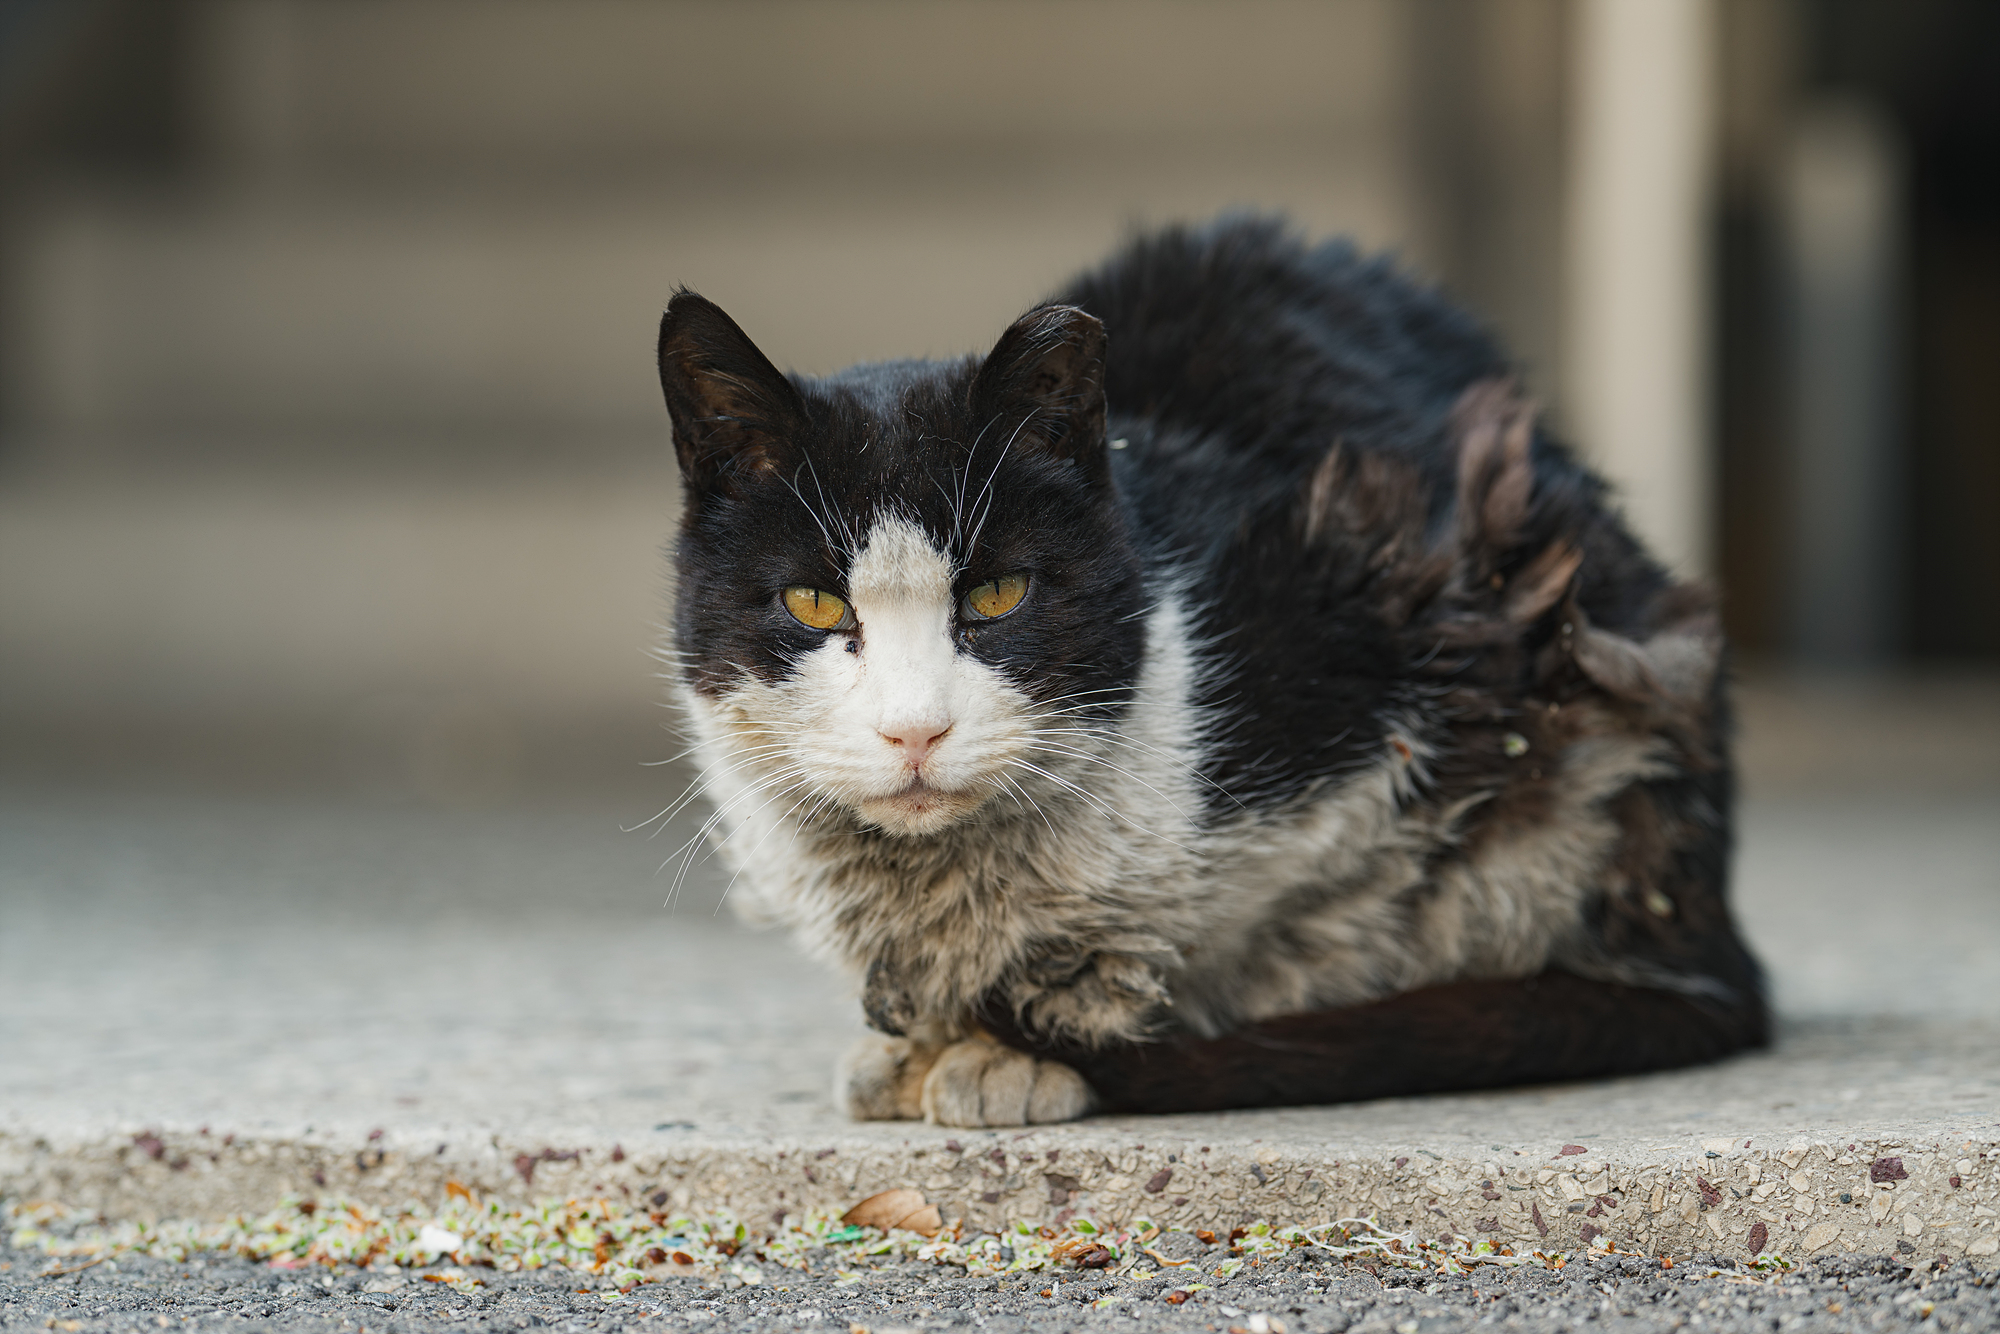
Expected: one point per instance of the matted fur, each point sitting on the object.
(1335, 680)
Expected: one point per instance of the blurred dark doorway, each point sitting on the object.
(1926, 75)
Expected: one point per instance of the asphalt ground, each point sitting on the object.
(1305, 1293)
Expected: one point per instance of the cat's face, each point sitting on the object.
(905, 590)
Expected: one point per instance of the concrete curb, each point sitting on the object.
(1811, 1195)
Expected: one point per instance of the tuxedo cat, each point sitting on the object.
(1222, 693)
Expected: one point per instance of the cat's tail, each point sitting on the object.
(1465, 1035)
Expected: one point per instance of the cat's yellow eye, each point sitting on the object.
(820, 610)
(996, 597)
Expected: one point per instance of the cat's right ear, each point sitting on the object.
(736, 417)
(1049, 368)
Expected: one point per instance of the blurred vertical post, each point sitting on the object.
(1840, 207)
(1636, 289)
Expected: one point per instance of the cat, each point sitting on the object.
(1223, 693)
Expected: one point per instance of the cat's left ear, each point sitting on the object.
(1048, 370)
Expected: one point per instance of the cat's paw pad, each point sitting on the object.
(981, 1083)
(882, 1079)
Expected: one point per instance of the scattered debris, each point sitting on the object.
(627, 1245)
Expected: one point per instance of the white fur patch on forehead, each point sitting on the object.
(899, 564)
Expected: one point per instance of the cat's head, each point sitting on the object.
(899, 585)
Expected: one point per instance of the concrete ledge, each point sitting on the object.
(1808, 1197)
(1692, 1166)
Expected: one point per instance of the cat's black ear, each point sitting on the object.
(736, 417)
(1048, 370)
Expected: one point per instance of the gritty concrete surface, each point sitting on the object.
(1303, 1294)
(211, 1002)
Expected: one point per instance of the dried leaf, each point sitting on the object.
(901, 1207)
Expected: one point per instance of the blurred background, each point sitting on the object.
(331, 454)
(335, 485)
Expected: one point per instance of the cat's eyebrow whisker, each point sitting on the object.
(839, 517)
(945, 491)
(986, 490)
(965, 476)
(826, 533)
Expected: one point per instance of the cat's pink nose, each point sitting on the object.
(915, 740)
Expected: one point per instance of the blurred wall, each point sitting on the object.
(329, 396)
(465, 214)
(329, 417)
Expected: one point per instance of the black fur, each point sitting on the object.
(1238, 357)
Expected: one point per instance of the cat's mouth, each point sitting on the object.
(919, 808)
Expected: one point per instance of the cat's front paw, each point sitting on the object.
(1104, 998)
(882, 1079)
(981, 1083)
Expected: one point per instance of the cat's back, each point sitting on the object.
(1310, 452)
(1238, 338)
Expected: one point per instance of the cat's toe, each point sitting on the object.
(882, 1079)
(980, 1083)
(1059, 1094)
